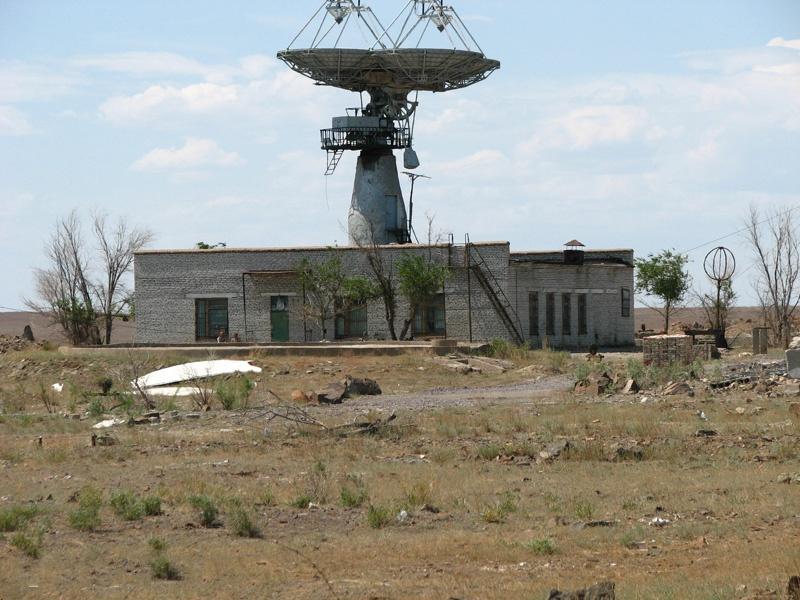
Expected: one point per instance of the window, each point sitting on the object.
(533, 313)
(626, 302)
(566, 314)
(210, 318)
(279, 318)
(550, 310)
(429, 317)
(352, 323)
(582, 324)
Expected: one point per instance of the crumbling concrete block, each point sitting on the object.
(793, 363)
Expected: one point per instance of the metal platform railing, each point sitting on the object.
(359, 138)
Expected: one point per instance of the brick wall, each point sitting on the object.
(169, 282)
(601, 283)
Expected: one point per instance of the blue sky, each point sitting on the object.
(620, 123)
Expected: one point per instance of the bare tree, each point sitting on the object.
(383, 274)
(63, 288)
(76, 287)
(776, 249)
(116, 246)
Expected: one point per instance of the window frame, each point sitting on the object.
(423, 317)
(583, 315)
(625, 303)
(566, 313)
(550, 313)
(210, 327)
(533, 314)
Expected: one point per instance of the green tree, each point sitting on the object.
(328, 290)
(663, 277)
(418, 280)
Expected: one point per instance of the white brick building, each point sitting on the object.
(573, 298)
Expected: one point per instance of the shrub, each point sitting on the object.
(207, 508)
(417, 495)
(87, 516)
(497, 512)
(96, 407)
(241, 524)
(234, 392)
(152, 506)
(267, 497)
(542, 546)
(317, 483)
(16, 517)
(354, 493)
(584, 509)
(157, 544)
(302, 501)
(378, 516)
(162, 568)
(126, 505)
(30, 545)
(105, 384)
(489, 451)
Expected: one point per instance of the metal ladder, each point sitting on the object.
(477, 264)
(334, 156)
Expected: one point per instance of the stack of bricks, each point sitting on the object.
(663, 350)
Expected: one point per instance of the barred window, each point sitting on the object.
(626, 302)
(533, 313)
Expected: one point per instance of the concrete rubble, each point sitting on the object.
(601, 591)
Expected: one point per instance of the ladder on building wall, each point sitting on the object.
(493, 289)
(334, 156)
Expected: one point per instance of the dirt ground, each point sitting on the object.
(668, 496)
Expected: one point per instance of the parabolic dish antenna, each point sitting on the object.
(394, 63)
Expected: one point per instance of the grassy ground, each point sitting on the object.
(303, 513)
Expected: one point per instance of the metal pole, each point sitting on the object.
(244, 307)
(469, 285)
(413, 177)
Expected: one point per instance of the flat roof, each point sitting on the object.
(591, 250)
(309, 248)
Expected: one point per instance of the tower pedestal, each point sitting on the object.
(377, 211)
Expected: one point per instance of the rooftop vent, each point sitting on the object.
(573, 253)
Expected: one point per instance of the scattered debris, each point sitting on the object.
(631, 387)
(357, 386)
(627, 452)
(301, 397)
(705, 433)
(194, 370)
(601, 591)
(333, 394)
(659, 522)
(678, 388)
(554, 450)
(177, 392)
(402, 516)
(105, 424)
(594, 384)
(702, 415)
(789, 478)
(102, 440)
(57, 387)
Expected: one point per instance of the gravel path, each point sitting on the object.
(456, 397)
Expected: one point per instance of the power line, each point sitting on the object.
(737, 232)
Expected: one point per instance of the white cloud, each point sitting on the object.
(193, 154)
(148, 64)
(782, 43)
(592, 125)
(24, 82)
(157, 100)
(13, 122)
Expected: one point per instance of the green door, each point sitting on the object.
(279, 311)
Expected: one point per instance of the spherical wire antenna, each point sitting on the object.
(719, 264)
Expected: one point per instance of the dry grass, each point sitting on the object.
(486, 518)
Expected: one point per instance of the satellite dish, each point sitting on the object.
(393, 65)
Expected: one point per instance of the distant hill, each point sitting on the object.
(12, 323)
